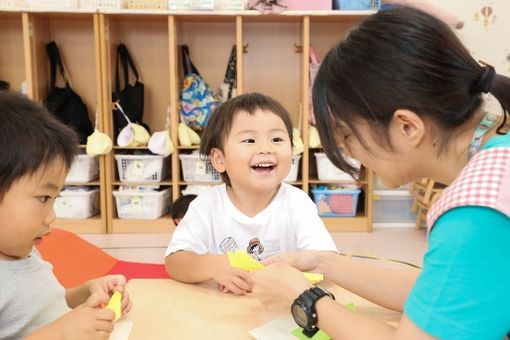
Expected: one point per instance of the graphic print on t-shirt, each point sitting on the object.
(255, 248)
(228, 244)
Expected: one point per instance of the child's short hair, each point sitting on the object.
(30, 138)
(220, 122)
(180, 206)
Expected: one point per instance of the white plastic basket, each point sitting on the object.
(228, 5)
(148, 4)
(196, 169)
(103, 4)
(294, 167)
(179, 4)
(141, 168)
(77, 204)
(326, 171)
(13, 4)
(84, 169)
(147, 205)
(201, 5)
(53, 3)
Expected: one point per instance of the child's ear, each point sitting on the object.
(407, 127)
(216, 157)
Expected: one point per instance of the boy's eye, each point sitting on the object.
(249, 140)
(278, 140)
(44, 199)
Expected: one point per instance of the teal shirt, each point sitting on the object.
(463, 291)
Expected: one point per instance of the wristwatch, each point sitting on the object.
(303, 309)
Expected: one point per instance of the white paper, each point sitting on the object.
(279, 328)
(121, 331)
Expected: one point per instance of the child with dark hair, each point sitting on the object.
(402, 94)
(36, 153)
(249, 141)
(180, 206)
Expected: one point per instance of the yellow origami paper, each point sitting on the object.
(242, 260)
(114, 304)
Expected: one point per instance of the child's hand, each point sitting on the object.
(87, 321)
(231, 279)
(109, 284)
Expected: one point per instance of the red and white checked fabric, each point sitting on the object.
(485, 182)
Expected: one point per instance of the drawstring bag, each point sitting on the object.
(131, 97)
(98, 143)
(160, 142)
(228, 88)
(268, 6)
(132, 135)
(314, 65)
(64, 103)
(197, 101)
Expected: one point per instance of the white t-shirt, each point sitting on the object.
(213, 225)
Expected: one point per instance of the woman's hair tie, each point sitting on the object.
(485, 80)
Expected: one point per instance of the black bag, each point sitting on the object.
(130, 97)
(64, 103)
(4, 85)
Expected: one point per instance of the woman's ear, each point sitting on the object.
(216, 157)
(407, 127)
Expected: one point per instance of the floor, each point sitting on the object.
(404, 244)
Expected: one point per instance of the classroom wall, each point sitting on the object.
(485, 33)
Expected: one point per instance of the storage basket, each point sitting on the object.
(147, 205)
(326, 171)
(197, 169)
(294, 167)
(53, 4)
(148, 4)
(230, 5)
(84, 169)
(337, 202)
(393, 208)
(13, 3)
(348, 5)
(179, 4)
(77, 204)
(141, 168)
(103, 4)
(207, 5)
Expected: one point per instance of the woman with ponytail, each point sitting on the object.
(402, 94)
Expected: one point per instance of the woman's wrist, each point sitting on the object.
(325, 264)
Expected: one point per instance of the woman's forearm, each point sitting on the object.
(384, 286)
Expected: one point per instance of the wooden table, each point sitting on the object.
(167, 309)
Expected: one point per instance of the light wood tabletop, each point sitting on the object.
(167, 309)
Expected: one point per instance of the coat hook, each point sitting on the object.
(298, 48)
(245, 48)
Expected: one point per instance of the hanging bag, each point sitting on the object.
(130, 97)
(314, 65)
(64, 103)
(228, 88)
(197, 101)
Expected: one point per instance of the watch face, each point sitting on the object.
(299, 315)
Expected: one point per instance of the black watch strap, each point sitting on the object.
(306, 303)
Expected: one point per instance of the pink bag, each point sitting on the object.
(268, 6)
(314, 65)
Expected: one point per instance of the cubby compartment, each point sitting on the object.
(12, 60)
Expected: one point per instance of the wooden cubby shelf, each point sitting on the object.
(272, 58)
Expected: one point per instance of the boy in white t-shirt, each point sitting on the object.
(249, 141)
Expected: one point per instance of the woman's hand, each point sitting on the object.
(278, 285)
(305, 260)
